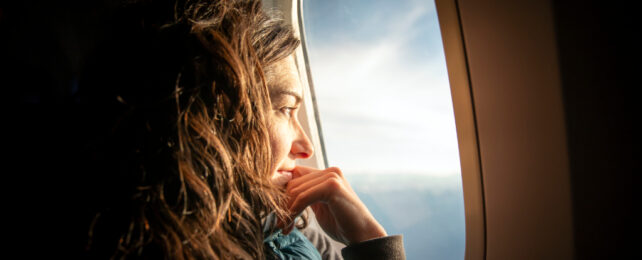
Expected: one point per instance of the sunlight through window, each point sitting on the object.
(386, 113)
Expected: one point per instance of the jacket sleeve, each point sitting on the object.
(389, 248)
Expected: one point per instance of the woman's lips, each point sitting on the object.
(281, 178)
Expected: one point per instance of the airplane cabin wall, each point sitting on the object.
(516, 87)
(552, 86)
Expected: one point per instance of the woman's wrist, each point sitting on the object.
(374, 231)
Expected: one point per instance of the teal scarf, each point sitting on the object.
(291, 246)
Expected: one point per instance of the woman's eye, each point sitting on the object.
(288, 111)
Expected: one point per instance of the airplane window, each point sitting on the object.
(386, 114)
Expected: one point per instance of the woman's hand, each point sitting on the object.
(337, 208)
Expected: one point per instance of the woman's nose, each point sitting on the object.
(302, 148)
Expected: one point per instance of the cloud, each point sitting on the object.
(381, 111)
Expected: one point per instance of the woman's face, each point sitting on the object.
(287, 139)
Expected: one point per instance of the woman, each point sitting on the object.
(206, 136)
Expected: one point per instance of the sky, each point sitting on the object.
(381, 86)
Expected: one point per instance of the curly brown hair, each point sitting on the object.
(192, 140)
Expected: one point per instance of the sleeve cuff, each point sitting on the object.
(390, 247)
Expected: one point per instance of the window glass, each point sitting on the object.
(386, 114)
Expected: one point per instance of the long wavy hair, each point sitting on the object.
(190, 140)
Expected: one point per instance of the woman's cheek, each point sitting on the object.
(278, 141)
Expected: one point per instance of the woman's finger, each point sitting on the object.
(296, 182)
(319, 193)
(310, 196)
(294, 190)
(300, 170)
(302, 174)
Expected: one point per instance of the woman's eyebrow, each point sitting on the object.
(281, 92)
